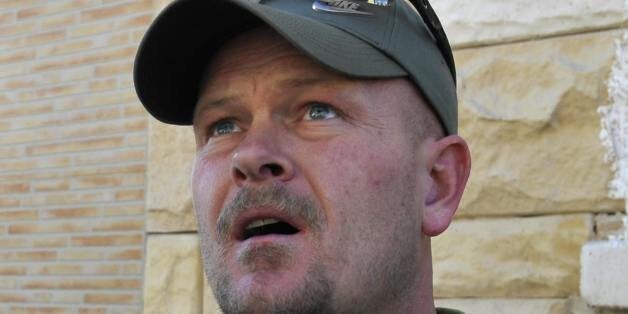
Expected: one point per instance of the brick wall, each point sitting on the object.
(73, 141)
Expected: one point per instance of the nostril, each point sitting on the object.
(239, 174)
(275, 169)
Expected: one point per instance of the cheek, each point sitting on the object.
(361, 177)
(209, 186)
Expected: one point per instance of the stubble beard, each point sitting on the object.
(315, 293)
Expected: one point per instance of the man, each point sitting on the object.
(327, 153)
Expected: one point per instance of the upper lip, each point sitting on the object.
(250, 215)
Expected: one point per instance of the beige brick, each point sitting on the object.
(67, 47)
(4, 100)
(75, 146)
(7, 243)
(44, 38)
(18, 83)
(116, 10)
(103, 85)
(114, 69)
(130, 195)
(12, 270)
(80, 254)
(123, 210)
(83, 59)
(136, 21)
(120, 225)
(93, 311)
(107, 127)
(128, 269)
(91, 29)
(97, 114)
(70, 212)
(16, 56)
(11, 69)
(117, 39)
(7, 18)
(108, 170)
(16, 29)
(48, 227)
(134, 179)
(10, 188)
(40, 310)
(66, 198)
(21, 110)
(110, 98)
(51, 185)
(102, 269)
(6, 297)
(58, 21)
(50, 242)
(134, 110)
(22, 214)
(56, 269)
(34, 163)
(99, 181)
(27, 136)
(7, 283)
(9, 202)
(54, 7)
(56, 91)
(136, 140)
(125, 254)
(11, 152)
(132, 155)
(28, 256)
(83, 284)
(109, 240)
(12, 4)
(111, 298)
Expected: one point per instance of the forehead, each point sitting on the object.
(262, 50)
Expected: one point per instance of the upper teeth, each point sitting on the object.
(261, 222)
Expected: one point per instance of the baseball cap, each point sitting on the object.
(359, 38)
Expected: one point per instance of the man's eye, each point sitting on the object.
(320, 111)
(223, 127)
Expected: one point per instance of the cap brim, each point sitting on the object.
(185, 36)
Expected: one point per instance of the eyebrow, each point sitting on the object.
(292, 83)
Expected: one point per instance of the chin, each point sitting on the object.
(274, 291)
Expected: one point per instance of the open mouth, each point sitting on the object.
(268, 226)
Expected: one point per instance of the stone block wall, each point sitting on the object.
(73, 143)
(531, 77)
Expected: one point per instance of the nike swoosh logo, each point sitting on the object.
(320, 6)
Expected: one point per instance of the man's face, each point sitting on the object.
(308, 185)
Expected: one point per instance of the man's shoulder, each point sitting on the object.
(441, 310)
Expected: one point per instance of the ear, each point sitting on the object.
(448, 163)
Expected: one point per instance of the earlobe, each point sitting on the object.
(448, 162)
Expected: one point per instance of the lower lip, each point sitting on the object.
(271, 239)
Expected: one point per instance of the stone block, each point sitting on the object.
(169, 198)
(535, 257)
(529, 113)
(481, 22)
(607, 225)
(173, 275)
(504, 306)
(604, 281)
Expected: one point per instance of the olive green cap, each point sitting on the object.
(364, 39)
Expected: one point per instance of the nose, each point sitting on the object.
(260, 159)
